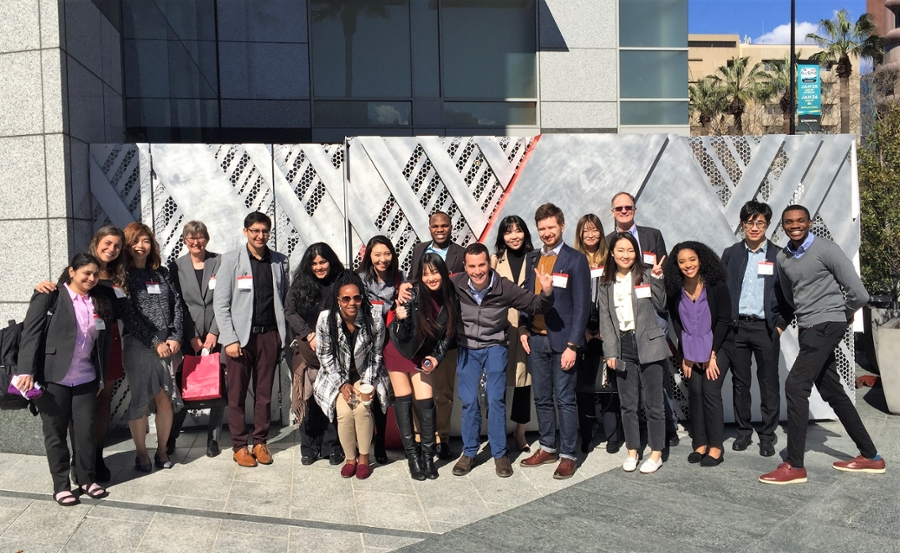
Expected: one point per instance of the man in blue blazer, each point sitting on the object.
(552, 340)
(252, 284)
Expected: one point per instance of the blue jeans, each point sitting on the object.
(550, 382)
(470, 364)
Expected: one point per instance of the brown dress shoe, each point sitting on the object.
(541, 457)
(502, 466)
(262, 454)
(565, 469)
(784, 474)
(463, 466)
(244, 458)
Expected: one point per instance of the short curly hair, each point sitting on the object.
(712, 271)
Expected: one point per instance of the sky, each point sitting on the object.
(765, 21)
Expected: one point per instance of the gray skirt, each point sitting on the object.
(147, 374)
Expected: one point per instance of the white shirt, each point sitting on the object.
(622, 292)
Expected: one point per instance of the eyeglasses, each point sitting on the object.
(257, 232)
(194, 240)
(590, 233)
(757, 224)
(347, 299)
(624, 209)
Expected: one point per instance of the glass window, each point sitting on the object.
(489, 48)
(341, 113)
(361, 48)
(653, 74)
(489, 114)
(654, 113)
(426, 57)
(653, 23)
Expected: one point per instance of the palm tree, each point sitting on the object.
(741, 85)
(844, 40)
(707, 100)
(779, 85)
(348, 11)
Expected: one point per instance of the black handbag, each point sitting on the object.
(594, 377)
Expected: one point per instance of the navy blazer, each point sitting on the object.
(568, 317)
(734, 258)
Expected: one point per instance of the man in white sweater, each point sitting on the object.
(812, 272)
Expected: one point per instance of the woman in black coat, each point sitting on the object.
(68, 356)
(700, 308)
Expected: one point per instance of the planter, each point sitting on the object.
(888, 353)
(873, 319)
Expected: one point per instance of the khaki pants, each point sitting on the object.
(355, 426)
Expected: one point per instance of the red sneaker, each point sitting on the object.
(861, 464)
(348, 470)
(784, 474)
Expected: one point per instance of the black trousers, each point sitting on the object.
(318, 436)
(58, 406)
(705, 400)
(754, 340)
(816, 364)
(586, 397)
(520, 411)
(380, 419)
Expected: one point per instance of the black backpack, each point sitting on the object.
(10, 337)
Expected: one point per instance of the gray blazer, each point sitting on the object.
(651, 340)
(234, 307)
(199, 317)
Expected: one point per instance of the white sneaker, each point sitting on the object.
(650, 467)
(630, 464)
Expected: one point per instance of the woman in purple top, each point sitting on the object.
(700, 308)
(65, 349)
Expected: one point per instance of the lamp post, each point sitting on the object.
(793, 62)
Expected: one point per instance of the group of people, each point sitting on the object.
(576, 327)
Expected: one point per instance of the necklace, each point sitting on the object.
(696, 295)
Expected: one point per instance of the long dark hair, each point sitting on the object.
(427, 325)
(102, 306)
(306, 288)
(712, 271)
(506, 225)
(367, 268)
(346, 278)
(611, 269)
(115, 268)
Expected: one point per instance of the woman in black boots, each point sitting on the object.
(421, 331)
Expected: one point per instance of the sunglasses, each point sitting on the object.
(347, 299)
(624, 209)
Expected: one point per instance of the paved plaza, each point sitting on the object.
(208, 504)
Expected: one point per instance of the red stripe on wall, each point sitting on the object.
(509, 187)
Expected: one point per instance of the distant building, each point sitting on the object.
(886, 14)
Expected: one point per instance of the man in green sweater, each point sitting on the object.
(812, 272)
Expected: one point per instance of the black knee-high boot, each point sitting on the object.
(403, 413)
(426, 424)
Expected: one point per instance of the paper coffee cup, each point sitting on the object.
(365, 393)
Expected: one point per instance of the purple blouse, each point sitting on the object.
(696, 320)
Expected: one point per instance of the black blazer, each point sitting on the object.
(735, 260)
(52, 364)
(719, 301)
(455, 258)
(651, 240)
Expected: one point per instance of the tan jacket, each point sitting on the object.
(517, 367)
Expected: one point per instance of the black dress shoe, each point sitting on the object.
(708, 461)
(307, 460)
(336, 458)
(741, 443)
(444, 452)
(381, 455)
(767, 449)
(695, 457)
(212, 448)
(673, 440)
(613, 447)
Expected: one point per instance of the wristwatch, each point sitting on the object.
(571, 346)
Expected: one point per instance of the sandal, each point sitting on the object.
(94, 491)
(66, 498)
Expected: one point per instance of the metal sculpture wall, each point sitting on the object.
(688, 188)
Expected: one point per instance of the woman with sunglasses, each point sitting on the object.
(349, 344)
(420, 334)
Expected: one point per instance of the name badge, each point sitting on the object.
(560, 280)
(596, 272)
(245, 283)
(212, 283)
(765, 268)
(119, 292)
(650, 258)
(99, 323)
(642, 291)
(153, 288)
(377, 308)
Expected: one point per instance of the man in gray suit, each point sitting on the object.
(252, 284)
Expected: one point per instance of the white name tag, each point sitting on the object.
(245, 283)
(377, 308)
(650, 258)
(596, 272)
(119, 292)
(212, 283)
(765, 268)
(99, 323)
(153, 288)
(642, 291)
(560, 280)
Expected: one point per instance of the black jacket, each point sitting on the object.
(455, 258)
(403, 332)
(734, 258)
(649, 238)
(719, 301)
